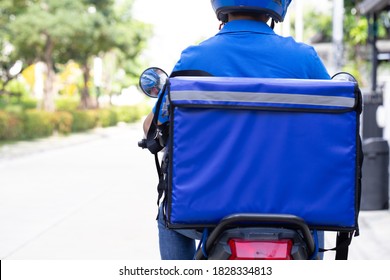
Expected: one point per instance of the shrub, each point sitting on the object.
(3, 102)
(107, 117)
(125, 114)
(18, 124)
(67, 104)
(14, 109)
(28, 103)
(21, 105)
(38, 124)
(15, 127)
(4, 119)
(63, 122)
(11, 126)
(133, 113)
(84, 120)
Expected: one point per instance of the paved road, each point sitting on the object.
(92, 196)
(88, 196)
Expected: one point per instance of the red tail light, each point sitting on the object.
(260, 250)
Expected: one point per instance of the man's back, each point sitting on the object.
(248, 48)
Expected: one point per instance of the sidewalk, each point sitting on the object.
(373, 243)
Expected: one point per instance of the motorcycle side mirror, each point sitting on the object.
(344, 76)
(152, 81)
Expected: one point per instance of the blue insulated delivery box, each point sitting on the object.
(273, 146)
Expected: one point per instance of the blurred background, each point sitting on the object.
(69, 67)
(67, 60)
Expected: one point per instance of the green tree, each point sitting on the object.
(106, 28)
(318, 28)
(357, 36)
(9, 9)
(39, 31)
(56, 31)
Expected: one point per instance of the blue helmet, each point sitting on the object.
(276, 9)
(150, 79)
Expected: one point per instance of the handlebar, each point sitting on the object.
(142, 144)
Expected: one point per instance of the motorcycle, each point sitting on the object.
(243, 236)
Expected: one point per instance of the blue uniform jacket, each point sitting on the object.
(247, 48)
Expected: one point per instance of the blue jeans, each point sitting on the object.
(180, 244)
(176, 244)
